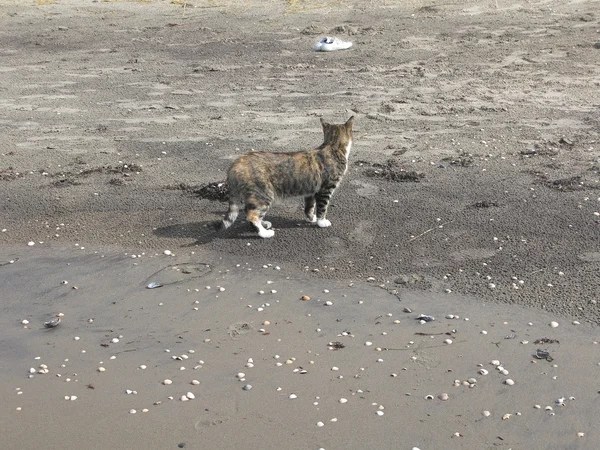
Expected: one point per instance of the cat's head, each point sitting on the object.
(338, 134)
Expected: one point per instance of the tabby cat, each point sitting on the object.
(256, 179)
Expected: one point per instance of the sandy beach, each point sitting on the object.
(472, 198)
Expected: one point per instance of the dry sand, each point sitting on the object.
(112, 113)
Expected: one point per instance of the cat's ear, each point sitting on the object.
(350, 122)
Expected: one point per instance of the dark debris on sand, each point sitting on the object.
(214, 191)
(391, 171)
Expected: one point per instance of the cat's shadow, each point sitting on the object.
(208, 230)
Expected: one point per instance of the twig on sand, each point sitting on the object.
(427, 231)
(385, 349)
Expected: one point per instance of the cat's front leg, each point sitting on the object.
(309, 208)
(322, 202)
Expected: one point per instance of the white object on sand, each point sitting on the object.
(330, 44)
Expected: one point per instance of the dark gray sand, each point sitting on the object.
(473, 190)
(306, 356)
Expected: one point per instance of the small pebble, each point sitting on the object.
(320, 424)
(509, 382)
(167, 382)
(247, 387)
(487, 413)
(554, 324)
(443, 397)
(195, 382)
(132, 411)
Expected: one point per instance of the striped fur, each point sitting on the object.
(257, 179)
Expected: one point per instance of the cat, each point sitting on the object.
(256, 179)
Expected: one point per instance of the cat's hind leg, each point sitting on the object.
(255, 217)
(231, 214)
(309, 208)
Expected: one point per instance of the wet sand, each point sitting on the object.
(209, 319)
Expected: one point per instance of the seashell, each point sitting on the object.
(443, 397)
(247, 387)
(429, 397)
(167, 382)
(487, 413)
(483, 372)
(509, 382)
(52, 323)
(153, 285)
(305, 298)
(190, 395)
(425, 318)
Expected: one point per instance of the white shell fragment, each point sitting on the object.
(167, 382)
(52, 323)
(509, 382)
(554, 324)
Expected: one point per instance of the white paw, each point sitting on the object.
(266, 234)
(311, 219)
(266, 224)
(323, 223)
